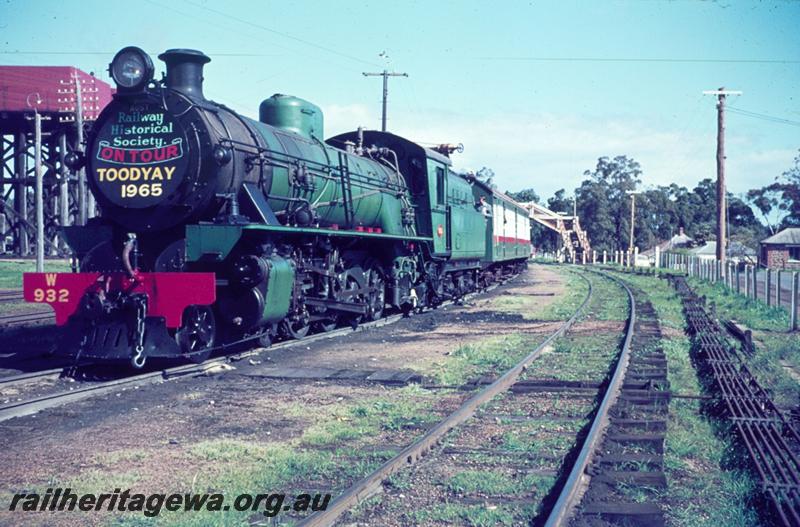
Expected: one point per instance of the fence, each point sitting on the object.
(770, 286)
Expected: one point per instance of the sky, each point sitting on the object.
(536, 91)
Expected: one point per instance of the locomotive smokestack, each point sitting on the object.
(185, 70)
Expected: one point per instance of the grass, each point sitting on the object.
(469, 515)
(120, 456)
(701, 493)
(11, 270)
(491, 355)
(406, 408)
(536, 442)
(532, 307)
(481, 481)
(753, 313)
(233, 466)
(576, 289)
(587, 357)
(577, 358)
(369, 418)
(242, 465)
(493, 483)
(563, 406)
(609, 301)
(496, 354)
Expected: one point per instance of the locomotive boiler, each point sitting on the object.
(216, 228)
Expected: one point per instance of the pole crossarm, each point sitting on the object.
(385, 74)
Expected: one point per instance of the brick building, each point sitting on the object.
(782, 250)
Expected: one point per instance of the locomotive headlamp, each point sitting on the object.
(131, 69)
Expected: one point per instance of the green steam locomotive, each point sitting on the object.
(216, 228)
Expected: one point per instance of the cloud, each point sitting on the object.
(551, 151)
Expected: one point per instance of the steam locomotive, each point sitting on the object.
(216, 228)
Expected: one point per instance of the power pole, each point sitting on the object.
(385, 74)
(633, 216)
(721, 94)
(83, 195)
(38, 190)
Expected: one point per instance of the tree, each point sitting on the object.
(604, 207)
(765, 200)
(595, 215)
(486, 175)
(559, 203)
(781, 198)
(740, 214)
(603, 203)
(525, 195)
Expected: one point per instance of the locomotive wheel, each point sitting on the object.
(296, 329)
(377, 294)
(197, 333)
(354, 280)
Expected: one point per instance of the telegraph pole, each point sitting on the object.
(83, 205)
(633, 216)
(721, 94)
(38, 190)
(385, 74)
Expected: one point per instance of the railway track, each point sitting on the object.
(23, 319)
(769, 439)
(10, 296)
(51, 400)
(41, 402)
(625, 400)
(625, 444)
(436, 442)
(26, 377)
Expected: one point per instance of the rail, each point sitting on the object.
(578, 479)
(52, 400)
(10, 296)
(367, 486)
(772, 443)
(19, 319)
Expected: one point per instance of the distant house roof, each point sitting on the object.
(710, 248)
(679, 240)
(734, 249)
(790, 236)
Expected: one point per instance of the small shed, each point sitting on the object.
(782, 249)
(707, 251)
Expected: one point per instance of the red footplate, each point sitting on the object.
(168, 293)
